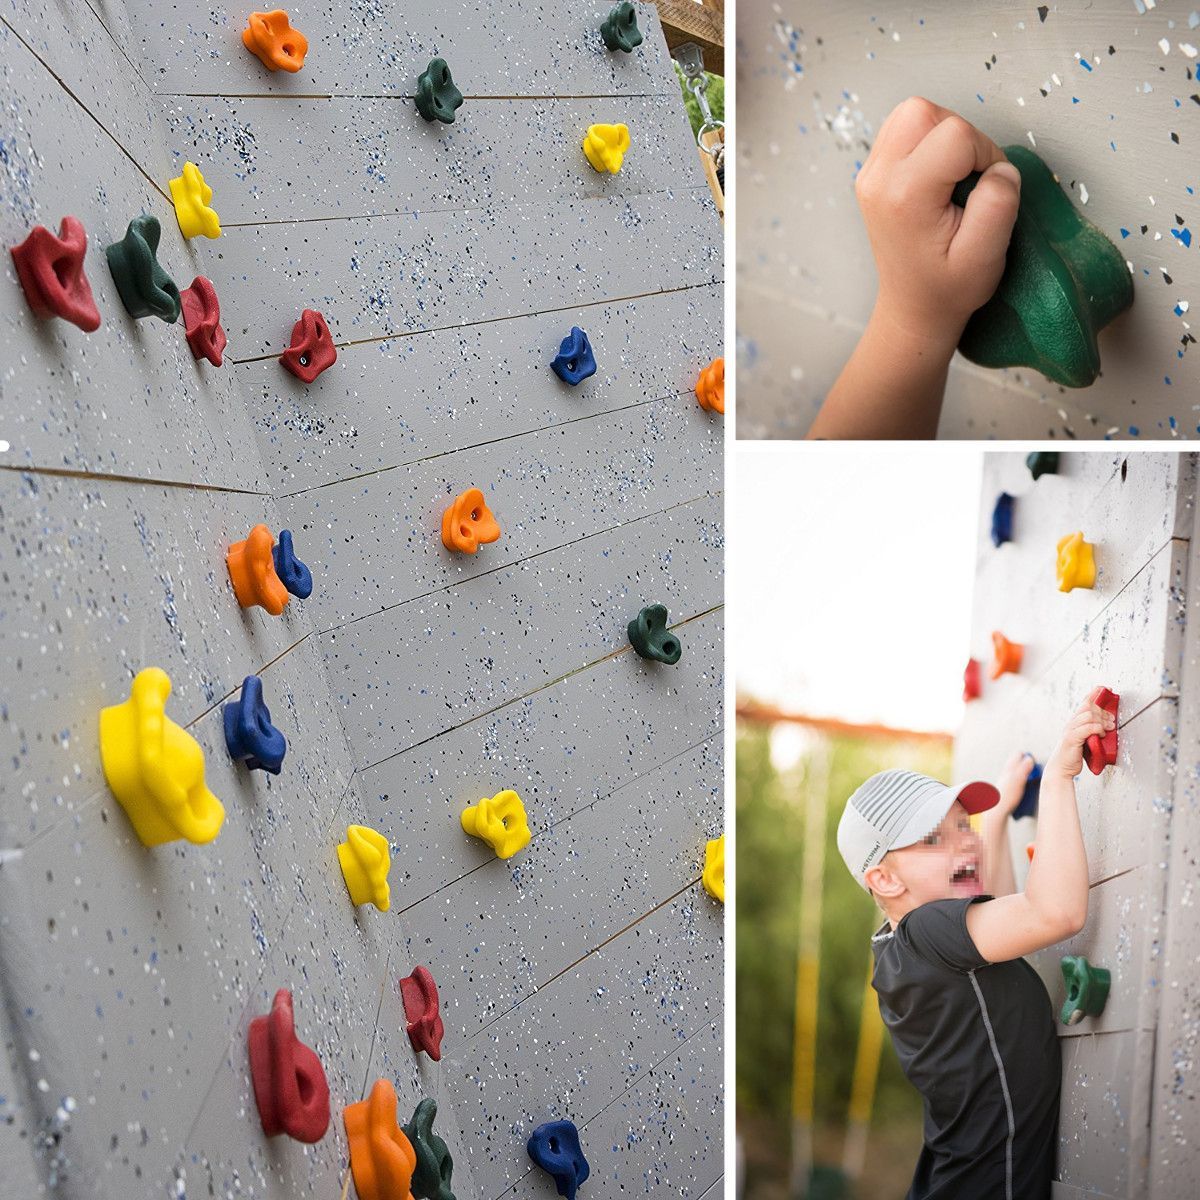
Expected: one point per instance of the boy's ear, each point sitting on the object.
(884, 882)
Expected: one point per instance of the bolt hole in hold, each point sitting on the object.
(554, 1145)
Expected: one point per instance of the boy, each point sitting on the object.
(970, 1019)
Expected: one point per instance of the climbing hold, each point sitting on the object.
(620, 29)
(713, 876)
(155, 768)
(1063, 282)
(468, 523)
(574, 361)
(1006, 656)
(972, 687)
(1029, 797)
(500, 822)
(1029, 851)
(191, 196)
(1101, 751)
(649, 636)
(366, 860)
(1076, 565)
(1002, 517)
(431, 1177)
(145, 288)
(421, 1007)
(710, 386)
(252, 570)
(605, 146)
(293, 574)
(555, 1148)
(1042, 462)
(312, 349)
(382, 1159)
(202, 321)
(290, 1087)
(437, 97)
(271, 39)
(50, 269)
(1087, 989)
(249, 735)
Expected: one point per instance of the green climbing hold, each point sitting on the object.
(146, 289)
(437, 97)
(649, 636)
(1087, 989)
(620, 29)
(1064, 281)
(431, 1178)
(1042, 462)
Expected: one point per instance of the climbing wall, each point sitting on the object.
(1105, 92)
(1130, 1106)
(581, 979)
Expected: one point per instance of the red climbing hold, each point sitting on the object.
(312, 348)
(1100, 752)
(51, 272)
(289, 1081)
(972, 687)
(202, 321)
(425, 1028)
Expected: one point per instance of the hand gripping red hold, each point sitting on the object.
(289, 1081)
(312, 348)
(1100, 752)
(51, 272)
(425, 1028)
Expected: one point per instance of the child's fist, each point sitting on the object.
(1089, 720)
(937, 262)
(1011, 783)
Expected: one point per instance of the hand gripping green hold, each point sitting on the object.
(1063, 282)
(437, 97)
(1087, 989)
(146, 289)
(648, 635)
(620, 30)
(431, 1178)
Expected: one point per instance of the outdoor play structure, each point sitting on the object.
(1094, 584)
(360, 604)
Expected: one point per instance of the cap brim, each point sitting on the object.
(977, 797)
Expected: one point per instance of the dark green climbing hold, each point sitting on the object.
(1042, 462)
(620, 29)
(146, 289)
(1087, 989)
(648, 635)
(431, 1179)
(1063, 282)
(437, 97)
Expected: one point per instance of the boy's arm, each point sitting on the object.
(1053, 905)
(998, 878)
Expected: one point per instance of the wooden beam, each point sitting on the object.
(704, 24)
(768, 714)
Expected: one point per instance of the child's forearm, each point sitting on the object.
(892, 387)
(997, 855)
(1057, 885)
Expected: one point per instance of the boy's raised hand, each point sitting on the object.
(1088, 720)
(1011, 783)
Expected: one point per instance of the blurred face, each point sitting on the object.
(944, 865)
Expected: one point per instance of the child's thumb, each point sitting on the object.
(987, 221)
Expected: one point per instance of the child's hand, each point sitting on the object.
(1089, 720)
(937, 262)
(1011, 784)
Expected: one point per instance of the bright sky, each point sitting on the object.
(851, 581)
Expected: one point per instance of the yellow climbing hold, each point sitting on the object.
(713, 877)
(500, 822)
(191, 196)
(155, 768)
(365, 860)
(605, 146)
(1076, 563)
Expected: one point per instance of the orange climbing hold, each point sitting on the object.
(382, 1159)
(1006, 656)
(272, 40)
(252, 570)
(468, 523)
(710, 387)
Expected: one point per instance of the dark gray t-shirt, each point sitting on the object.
(977, 1041)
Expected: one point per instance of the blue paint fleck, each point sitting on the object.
(1124, 232)
(1134, 431)
(1083, 62)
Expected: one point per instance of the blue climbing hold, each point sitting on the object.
(1002, 516)
(293, 574)
(575, 360)
(555, 1148)
(249, 734)
(1029, 797)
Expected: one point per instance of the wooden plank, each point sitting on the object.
(704, 24)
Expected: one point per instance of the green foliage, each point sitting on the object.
(715, 94)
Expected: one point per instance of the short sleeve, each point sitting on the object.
(937, 931)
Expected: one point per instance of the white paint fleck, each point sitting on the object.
(1032, 140)
(1164, 45)
(1188, 49)
(1083, 194)
(1183, 305)
(1020, 101)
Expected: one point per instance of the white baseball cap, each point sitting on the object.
(897, 808)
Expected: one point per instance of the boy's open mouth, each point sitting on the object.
(966, 876)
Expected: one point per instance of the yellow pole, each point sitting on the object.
(866, 1072)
